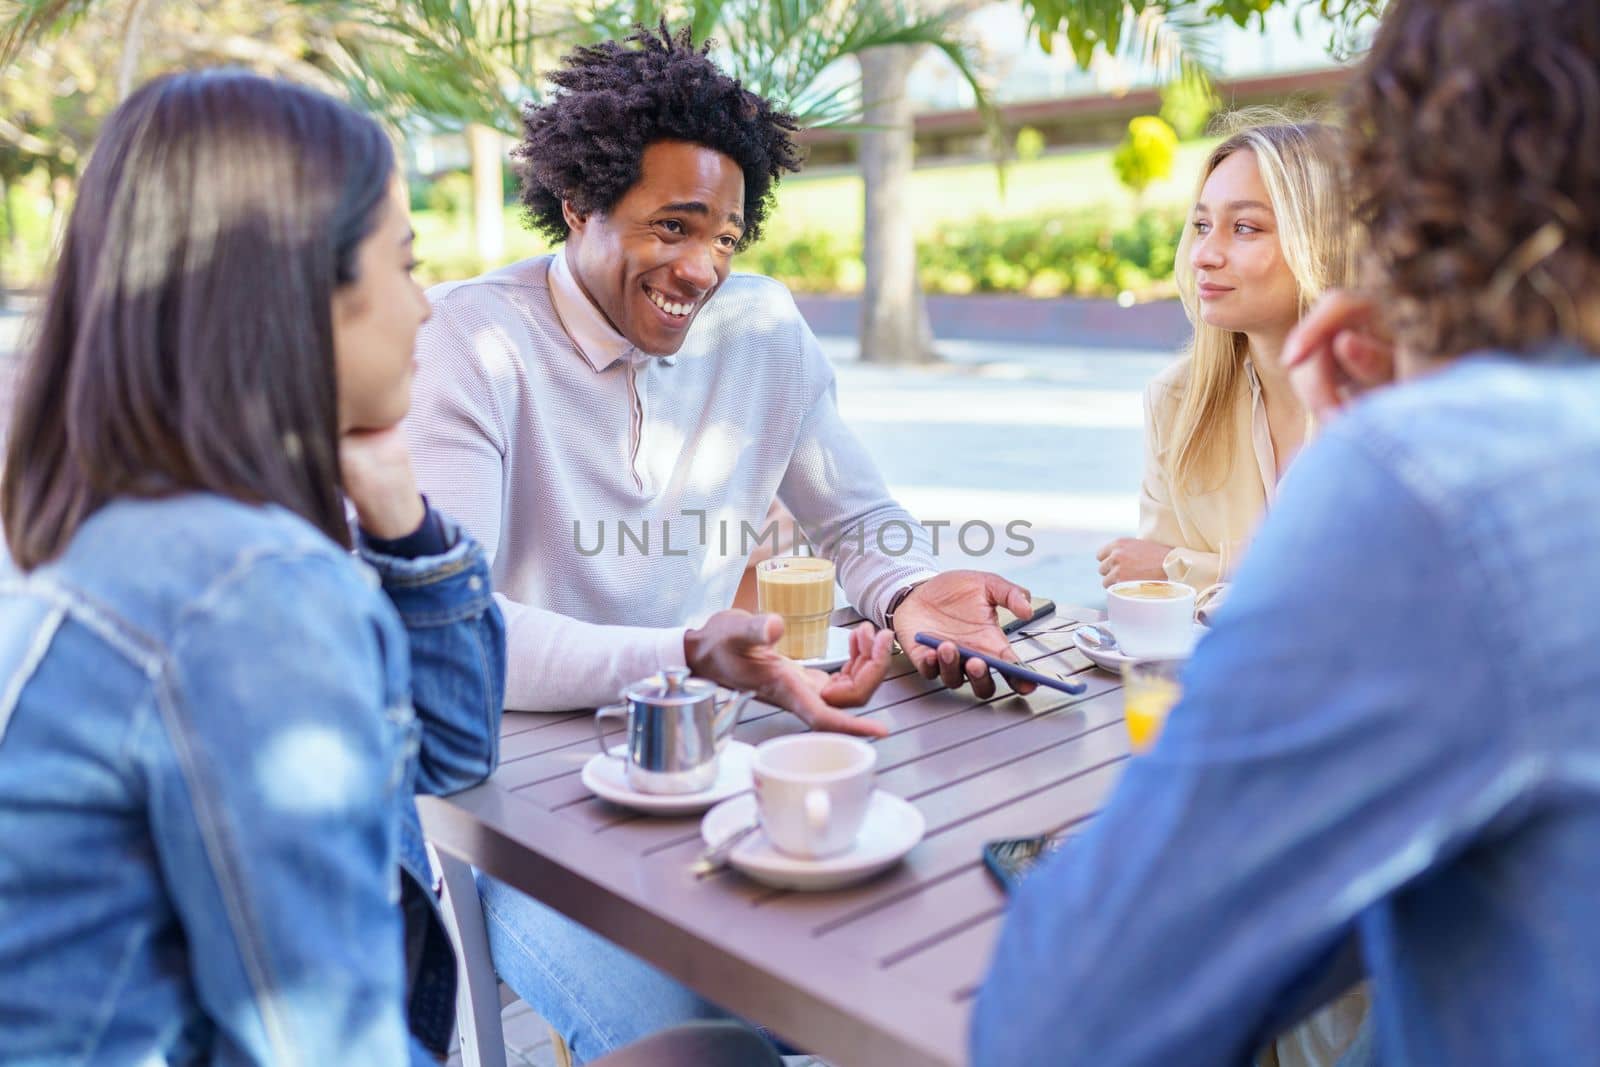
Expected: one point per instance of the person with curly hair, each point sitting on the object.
(1387, 758)
(613, 421)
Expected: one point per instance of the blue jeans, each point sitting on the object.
(597, 996)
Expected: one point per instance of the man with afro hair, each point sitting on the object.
(612, 422)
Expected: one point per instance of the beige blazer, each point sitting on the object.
(1209, 530)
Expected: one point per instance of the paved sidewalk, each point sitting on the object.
(527, 1037)
(1051, 436)
(1159, 324)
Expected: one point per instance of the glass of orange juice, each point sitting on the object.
(1150, 688)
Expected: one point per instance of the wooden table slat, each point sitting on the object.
(956, 962)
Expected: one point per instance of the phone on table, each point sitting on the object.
(1014, 858)
(1009, 623)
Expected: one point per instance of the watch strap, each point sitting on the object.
(895, 602)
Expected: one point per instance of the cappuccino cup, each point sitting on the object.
(1152, 619)
(812, 791)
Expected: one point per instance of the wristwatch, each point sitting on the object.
(895, 602)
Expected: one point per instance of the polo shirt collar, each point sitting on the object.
(594, 337)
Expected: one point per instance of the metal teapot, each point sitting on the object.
(675, 727)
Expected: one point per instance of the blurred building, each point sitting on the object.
(1287, 59)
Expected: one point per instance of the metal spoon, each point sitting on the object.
(1101, 638)
(715, 857)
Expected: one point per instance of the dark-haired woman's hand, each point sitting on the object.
(1338, 351)
(380, 483)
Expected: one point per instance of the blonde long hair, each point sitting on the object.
(1301, 167)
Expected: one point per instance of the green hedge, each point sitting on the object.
(1079, 254)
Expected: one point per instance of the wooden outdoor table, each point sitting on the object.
(881, 973)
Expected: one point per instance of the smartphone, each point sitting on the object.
(1011, 624)
(1005, 668)
(1013, 859)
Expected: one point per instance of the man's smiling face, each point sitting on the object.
(652, 261)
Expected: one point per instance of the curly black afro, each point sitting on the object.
(586, 144)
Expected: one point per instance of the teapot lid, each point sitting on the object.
(671, 687)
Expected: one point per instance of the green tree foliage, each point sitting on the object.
(1107, 25)
(67, 64)
(1187, 105)
(1030, 144)
(458, 62)
(57, 87)
(1145, 154)
(451, 195)
(463, 61)
(1080, 253)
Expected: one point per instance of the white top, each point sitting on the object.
(1209, 531)
(1261, 435)
(618, 494)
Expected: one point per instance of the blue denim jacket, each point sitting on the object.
(1391, 740)
(212, 722)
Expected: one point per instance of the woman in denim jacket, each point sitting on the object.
(212, 715)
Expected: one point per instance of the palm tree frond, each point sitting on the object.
(29, 21)
(1178, 43)
(788, 50)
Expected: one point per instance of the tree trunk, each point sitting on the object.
(13, 243)
(61, 192)
(488, 194)
(132, 44)
(894, 318)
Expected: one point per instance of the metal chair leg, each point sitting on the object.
(483, 1043)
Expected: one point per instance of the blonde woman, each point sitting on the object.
(1270, 231)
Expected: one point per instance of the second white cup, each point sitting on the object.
(813, 791)
(1152, 619)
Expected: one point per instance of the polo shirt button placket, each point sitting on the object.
(641, 475)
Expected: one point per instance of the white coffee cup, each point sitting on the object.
(1152, 618)
(813, 791)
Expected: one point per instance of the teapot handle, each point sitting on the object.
(611, 711)
(728, 717)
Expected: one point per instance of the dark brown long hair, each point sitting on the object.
(1475, 161)
(186, 342)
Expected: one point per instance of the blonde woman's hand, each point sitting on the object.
(1128, 559)
(376, 466)
(1337, 351)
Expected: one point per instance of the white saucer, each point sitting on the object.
(837, 655)
(1115, 660)
(607, 778)
(891, 829)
